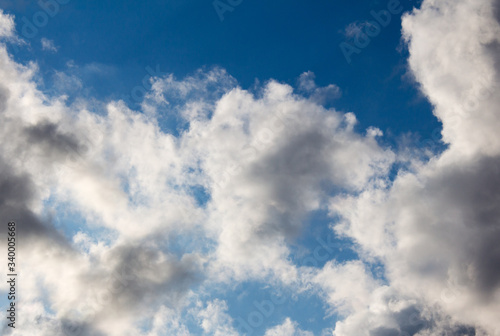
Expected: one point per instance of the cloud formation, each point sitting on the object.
(435, 227)
(163, 214)
(48, 45)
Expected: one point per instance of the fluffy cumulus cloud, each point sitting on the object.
(157, 216)
(6, 25)
(265, 161)
(214, 319)
(436, 228)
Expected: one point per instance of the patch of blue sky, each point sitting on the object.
(200, 194)
(281, 41)
(69, 221)
(45, 301)
(422, 149)
(319, 244)
(4, 305)
(256, 307)
(172, 123)
(179, 244)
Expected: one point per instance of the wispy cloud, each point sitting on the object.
(48, 45)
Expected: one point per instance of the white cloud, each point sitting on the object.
(321, 95)
(347, 287)
(288, 328)
(120, 172)
(265, 160)
(48, 45)
(215, 321)
(168, 322)
(453, 47)
(6, 25)
(435, 229)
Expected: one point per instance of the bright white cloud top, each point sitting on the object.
(149, 249)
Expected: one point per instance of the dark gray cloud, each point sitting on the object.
(383, 331)
(496, 9)
(474, 190)
(17, 192)
(73, 328)
(54, 143)
(411, 321)
(33, 235)
(141, 277)
(4, 96)
(288, 175)
(405, 322)
(43, 325)
(299, 170)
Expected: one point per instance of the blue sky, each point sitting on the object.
(256, 41)
(238, 167)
